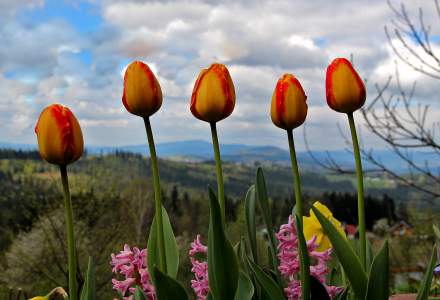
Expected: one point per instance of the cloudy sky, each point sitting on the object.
(75, 52)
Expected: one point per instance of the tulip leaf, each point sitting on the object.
(269, 287)
(317, 290)
(263, 201)
(378, 282)
(304, 260)
(436, 232)
(171, 249)
(89, 288)
(346, 255)
(250, 221)
(426, 283)
(167, 287)
(245, 289)
(222, 261)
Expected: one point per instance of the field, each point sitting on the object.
(113, 204)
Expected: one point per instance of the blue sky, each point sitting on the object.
(75, 52)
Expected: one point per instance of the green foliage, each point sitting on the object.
(167, 287)
(89, 289)
(426, 283)
(172, 251)
(346, 255)
(222, 261)
(250, 221)
(268, 285)
(378, 280)
(245, 289)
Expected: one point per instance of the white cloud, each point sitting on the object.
(258, 40)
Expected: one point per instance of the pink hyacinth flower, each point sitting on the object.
(289, 267)
(131, 265)
(200, 284)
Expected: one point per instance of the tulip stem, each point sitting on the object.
(298, 198)
(218, 165)
(360, 188)
(73, 294)
(296, 178)
(157, 197)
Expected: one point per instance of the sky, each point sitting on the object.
(75, 53)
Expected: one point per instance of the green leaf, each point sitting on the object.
(436, 232)
(318, 291)
(167, 287)
(378, 283)
(346, 255)
(249, 204)
(209, 296)
(370, 255)
(245, 289)
(269, 287)
(426, 284)
(89, 288)
(304, 260)
(222, 261)
(171, 249)
(139, 294)
(263, 201)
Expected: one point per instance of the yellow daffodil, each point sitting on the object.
(312, 227)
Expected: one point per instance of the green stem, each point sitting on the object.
(73, 294)
(296, 178)
(157, 197)
(360, 188)
(218, 165)
(299, 204)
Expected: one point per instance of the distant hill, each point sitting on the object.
(199, 150)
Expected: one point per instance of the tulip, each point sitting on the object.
(59, 135)
(346, 93)
(212, 100)
(289, 106)
(142, 94)
(344, 88)
(60, 142)
(213, 96)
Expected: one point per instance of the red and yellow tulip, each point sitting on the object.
(289, 106)
(344, 88)
(213, 96)
(142, 94)
(60, 140)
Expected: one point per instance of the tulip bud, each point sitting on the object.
(59, 135)
(344, 88)
(213, 96)
(289, 107)
(142, 94)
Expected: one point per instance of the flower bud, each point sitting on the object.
(213, 96)
(344, 88)
(289, 107)
(142, 94)
(59, 135)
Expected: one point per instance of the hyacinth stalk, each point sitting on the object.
(218, 166)
(72, 262)
(360, 191)
(157, 197)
